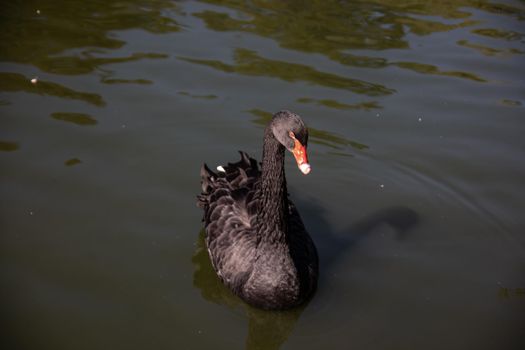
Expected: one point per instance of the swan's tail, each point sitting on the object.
(232, 177)
(207, 178)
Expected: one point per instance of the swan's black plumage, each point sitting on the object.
(255, 237)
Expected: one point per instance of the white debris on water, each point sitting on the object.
(382, 186)
(37, 12)
(419, 119)
(34, 80)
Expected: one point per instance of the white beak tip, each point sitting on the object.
(305, 168)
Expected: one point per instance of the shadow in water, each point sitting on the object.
(332, 245)
(270, 329)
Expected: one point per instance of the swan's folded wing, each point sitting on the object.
(230, 239)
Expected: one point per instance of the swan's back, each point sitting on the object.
(229, 208)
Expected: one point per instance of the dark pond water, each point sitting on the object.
(416, 200)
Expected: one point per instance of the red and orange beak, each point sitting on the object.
(299, 152)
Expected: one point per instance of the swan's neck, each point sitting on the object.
(273, 208)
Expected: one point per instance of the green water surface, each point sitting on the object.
(416, 198)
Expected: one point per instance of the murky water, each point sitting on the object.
(415, 201)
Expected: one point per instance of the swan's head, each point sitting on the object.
(289, 129)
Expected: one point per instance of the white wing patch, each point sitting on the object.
(221, 169)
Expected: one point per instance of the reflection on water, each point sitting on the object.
(510, 103)
(321, 26)
(75, 118)
(6, 146)
(248, 62)
(338, 105)
(72, 38)
(88, 62)
(500, 34)
(334, 27)
(206, 279)
(489, 51)
(317, 136)
(431, 69)
(205, 97)
(126, 81)
(41, 37)
(266, 329)
(72, 161)
(13, 82)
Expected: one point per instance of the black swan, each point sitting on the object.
(255, 237)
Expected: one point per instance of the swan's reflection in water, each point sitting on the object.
(266, 329)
